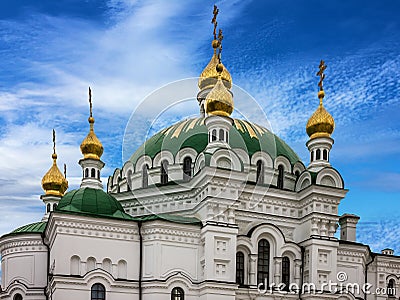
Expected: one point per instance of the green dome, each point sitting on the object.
(192, 133)
(94, 202)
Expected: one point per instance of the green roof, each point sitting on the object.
(37, 227)
(192, 133)
(93, 202)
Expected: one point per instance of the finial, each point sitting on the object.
(90, 101)
(54, 155)
(65, 171)
(54, 141)
(214, 21)
(320, 73)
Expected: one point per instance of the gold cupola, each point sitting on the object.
(91, 146)
(209, 76)
(321, 123)
(54, 182)
(219, 101)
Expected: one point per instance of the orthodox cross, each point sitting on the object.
(54, 141)
(320, 73)
(90, 101)
(214, 21)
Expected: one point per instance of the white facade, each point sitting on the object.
(155, 255)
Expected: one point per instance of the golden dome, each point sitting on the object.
(219, 100)
(209, 76)
(54, 182)
(321, 123)
(91, 146)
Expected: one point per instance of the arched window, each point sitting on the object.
(260, 172)
(177, 294)
(93, 173)
(107, 265)
(214, 135)
(226, 137)
(280, 177)
(263, 263)
(98, 174)
(221, 135)
(312, 155)
(164, 172)
(18, 297)
(54, 206)
(75, 265)
(286, 272)
(240, 268)
(297, 173)
(187, 168)
(145, 176)
(98, 292)
(86, 173)
(391, 290)
(325, 154)
(318, 154)
(48, 207)
(90, 264)
(122, 269)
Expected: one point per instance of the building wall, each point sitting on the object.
(24, 266)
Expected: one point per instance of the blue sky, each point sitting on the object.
(51, 51)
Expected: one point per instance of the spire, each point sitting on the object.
(219, 100)
(321, 123)
(53, 182)
(91, 147)
(209, 76)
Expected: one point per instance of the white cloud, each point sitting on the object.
(380, 234)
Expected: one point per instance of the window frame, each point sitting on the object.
(145, 176)
(285, 272)
(391, 285)
(97, 297)
(240, 268)
(177, 293)
(281, 177)
(318, 154)
(164, 172)
(18, 296)
(260, 172)
(187, 168)
(263, 263)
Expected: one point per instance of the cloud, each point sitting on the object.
(380, 234)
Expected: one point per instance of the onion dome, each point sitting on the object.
(321, 123)
(92, 202)
(91, 146)
(209, 76)
(219, 100)
(54, 182)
